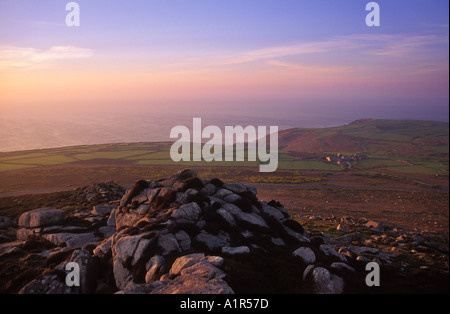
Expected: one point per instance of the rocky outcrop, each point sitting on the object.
(193, 273)
(34, 221)
(102, 191)
(51, 225)
(187, 235)
(369, 240)
(160, 220)
(41, 217)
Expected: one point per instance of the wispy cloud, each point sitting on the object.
(429, 68)
(276, 52)
(308, 68)
(28, 58)
(398, 45)
(401, 46)
(47, 23)
(434, 25)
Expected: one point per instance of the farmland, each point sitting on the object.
(406, 168)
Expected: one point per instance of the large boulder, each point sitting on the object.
(378, 226)
(306, 255)
(41, 217)
(192, 274)
(322, 281)
(194, 284)
(189, 212)
(103, 209)
(74, 240)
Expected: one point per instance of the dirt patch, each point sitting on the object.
(384, 197)
(13, 206)
(426, 211)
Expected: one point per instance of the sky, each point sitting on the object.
(211, 56)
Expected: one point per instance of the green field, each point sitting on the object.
(148, 154)
(415, 147)
(159, 154)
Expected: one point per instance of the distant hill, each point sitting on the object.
(393, 137)
(417, 147)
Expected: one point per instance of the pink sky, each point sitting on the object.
(222, 57)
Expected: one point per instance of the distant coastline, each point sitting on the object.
(42, 137)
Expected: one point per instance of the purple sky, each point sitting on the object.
(197, 55)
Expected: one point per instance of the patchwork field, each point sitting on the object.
(404, 177)
(406, 147)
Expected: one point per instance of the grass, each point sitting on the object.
(9, 167)
(13, 157)
(379, 163)
(416, 170)
(315, 226)
(276, 178)
(46, 161)
(377, 135)
(229, 174)
(308, 165)
(158, 154)
(395, 149)
(403, 164)
(433, 165)
(107, 155)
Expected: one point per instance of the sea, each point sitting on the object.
(40, 129)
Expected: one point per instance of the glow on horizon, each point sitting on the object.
(71, 67)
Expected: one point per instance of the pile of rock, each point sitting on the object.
(102, 191)
(75, 231)
(185, 234)
(189, 274)
(36, 221)
(381, 241)
(158, 221)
